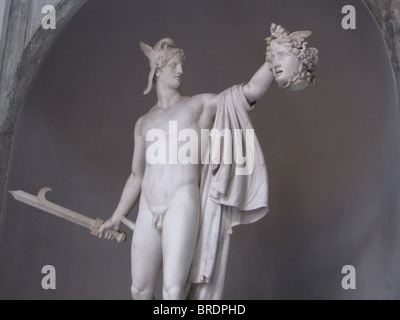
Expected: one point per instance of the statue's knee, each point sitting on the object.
(136, 292)
(173, 293)
(141, 292)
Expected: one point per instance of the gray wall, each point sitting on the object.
(332, 150)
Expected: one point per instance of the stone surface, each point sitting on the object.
(387, 14)
(4, 10)
(12, 56)
(35, 16)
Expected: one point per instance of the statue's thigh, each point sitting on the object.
(179, 235)
(146, 250)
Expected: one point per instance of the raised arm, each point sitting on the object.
(131, 192)
(259, 84)
(253, 90)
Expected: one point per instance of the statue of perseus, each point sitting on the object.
(190, 198)
(198, 170)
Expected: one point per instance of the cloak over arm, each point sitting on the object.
(232, 192)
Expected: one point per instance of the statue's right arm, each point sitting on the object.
(131, 192)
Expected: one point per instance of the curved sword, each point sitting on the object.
(40, 202)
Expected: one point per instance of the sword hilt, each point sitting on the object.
(120, 236)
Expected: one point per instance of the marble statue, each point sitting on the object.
(192, 193)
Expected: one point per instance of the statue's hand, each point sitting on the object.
(110, 224)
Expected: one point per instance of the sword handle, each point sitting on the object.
(120, 236)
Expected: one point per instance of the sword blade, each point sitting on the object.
(47, 206)
(94, 225)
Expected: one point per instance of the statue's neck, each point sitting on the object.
(168, 97)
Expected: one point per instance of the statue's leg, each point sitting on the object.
(146, 256)
(179, 237)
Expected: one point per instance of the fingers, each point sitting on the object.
(106, 235)
(106, 227)
(101, 230)
(110, 236)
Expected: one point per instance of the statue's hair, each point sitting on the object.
(159, 56)
(168, 55)
(295, 42)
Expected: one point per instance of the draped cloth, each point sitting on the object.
(227, 198)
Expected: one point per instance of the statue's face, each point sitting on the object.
(285, 64)
(171, 74)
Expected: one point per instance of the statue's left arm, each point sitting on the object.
(259, 84)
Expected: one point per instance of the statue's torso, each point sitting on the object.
(172, 136)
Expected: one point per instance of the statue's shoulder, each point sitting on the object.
(144, 119)
(205, 98)
(140, 120)
(148, 115)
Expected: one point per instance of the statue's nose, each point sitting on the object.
(179, 70)
(276, 63)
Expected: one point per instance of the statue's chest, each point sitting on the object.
(177, 119)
